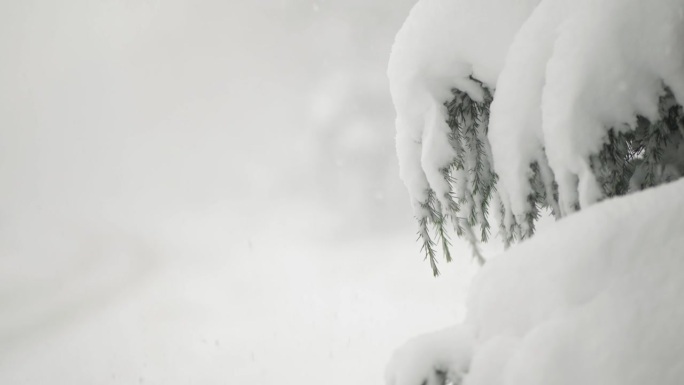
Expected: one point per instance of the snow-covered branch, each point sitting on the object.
(586, 105)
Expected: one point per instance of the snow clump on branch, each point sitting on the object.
(586, 104)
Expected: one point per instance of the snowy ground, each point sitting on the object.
(201, 301)
(161, 218)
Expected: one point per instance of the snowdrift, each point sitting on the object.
(596, 300)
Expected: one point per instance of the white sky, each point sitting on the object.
(205, 192)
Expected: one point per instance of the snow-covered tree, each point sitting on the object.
(510, 107)
(506, 108)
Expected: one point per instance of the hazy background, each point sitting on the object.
(205, 192)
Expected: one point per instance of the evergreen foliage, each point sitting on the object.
(631, 159)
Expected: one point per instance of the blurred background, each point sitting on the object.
(206, 192)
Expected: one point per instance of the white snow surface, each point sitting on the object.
(446, 352)
(564, 73)
(200, 298)
(596, 300)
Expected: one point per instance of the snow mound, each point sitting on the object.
(597, 300)
(431, 358)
